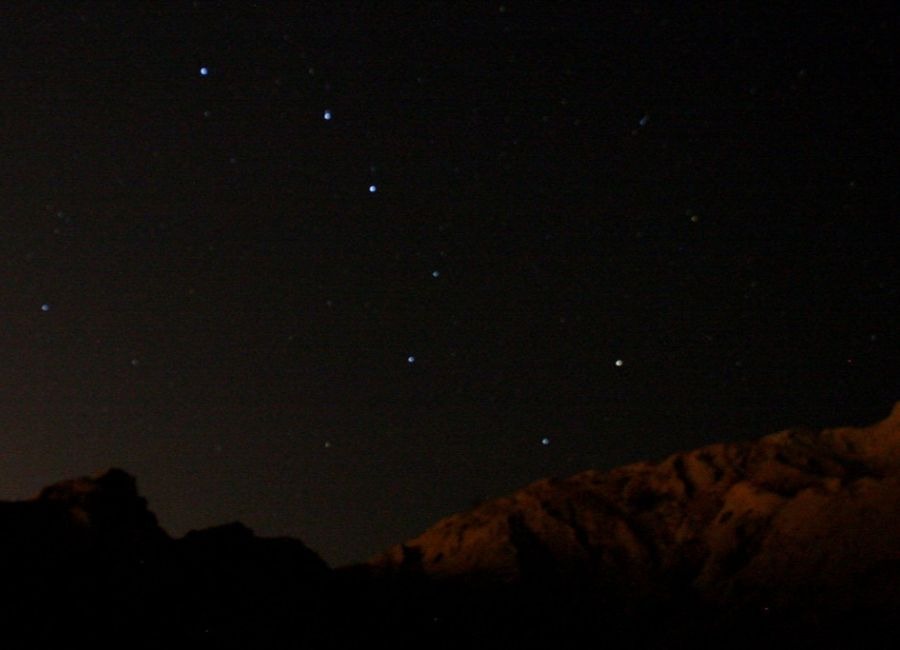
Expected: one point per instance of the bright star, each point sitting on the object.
(45, 307)
(545, 441)
(410, 359)
(372, 189)
(326, 115)
(204, 71)
(619, 363)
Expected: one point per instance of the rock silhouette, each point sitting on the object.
(85, 563)
(789, 541)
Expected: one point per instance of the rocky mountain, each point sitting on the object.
(791, 541)
(85, 564)
(799, 519)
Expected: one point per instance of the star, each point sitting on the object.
(204, 71)
(45, 307)
(373, 189)
(410, 359)
(326, 115)
(619, 363)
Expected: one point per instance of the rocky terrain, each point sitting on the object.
(86, 564)
(793, 517)
(789, 541)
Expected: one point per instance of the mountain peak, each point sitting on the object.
(110, 481)
(796, 512)
(106, 504)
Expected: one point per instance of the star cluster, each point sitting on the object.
(340, 269)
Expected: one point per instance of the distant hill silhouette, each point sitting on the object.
(789, 541)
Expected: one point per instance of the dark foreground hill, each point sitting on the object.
(789, 541)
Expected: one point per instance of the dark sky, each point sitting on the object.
(340, 269)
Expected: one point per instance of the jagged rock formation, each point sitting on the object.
(85, 564)
(792, 541)
(792, 520)
(105, 509)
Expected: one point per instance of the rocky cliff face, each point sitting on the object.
(796, 516)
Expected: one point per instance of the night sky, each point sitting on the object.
(337, 270)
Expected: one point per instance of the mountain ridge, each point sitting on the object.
(792, 539)
(724, 520)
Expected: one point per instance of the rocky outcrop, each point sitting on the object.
(85, 563)
(794, 517)
(75, 532)
(104, 509)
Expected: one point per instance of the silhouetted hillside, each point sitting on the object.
(789, 541)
